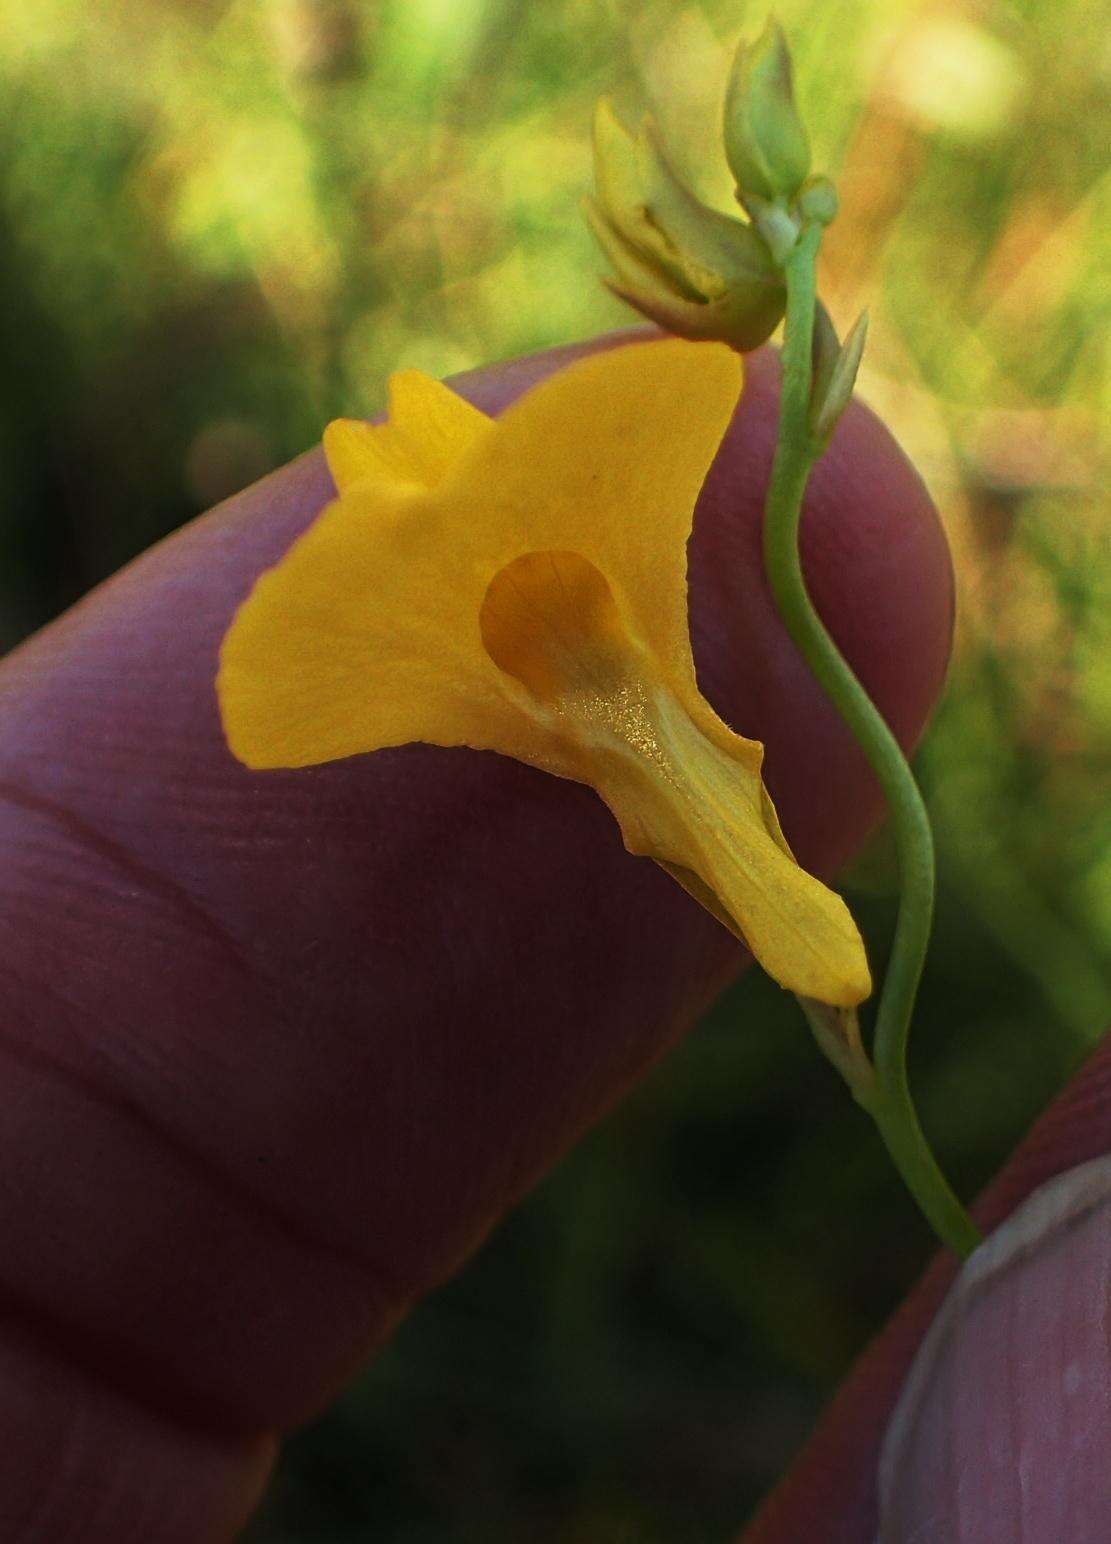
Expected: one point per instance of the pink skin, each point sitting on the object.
(281, 1047)
(1004, 1395)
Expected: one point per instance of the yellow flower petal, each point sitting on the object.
(429, 429)
(357, 641)
(376, 607)
(706, 817)
(521, 586)
(606, 459)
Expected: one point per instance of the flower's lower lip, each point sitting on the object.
(686, 794)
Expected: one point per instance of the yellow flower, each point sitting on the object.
(519, 585)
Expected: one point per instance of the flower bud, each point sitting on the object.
(818, 201)
(765, 141)
(697, 272)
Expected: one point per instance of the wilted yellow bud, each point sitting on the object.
(697, 272)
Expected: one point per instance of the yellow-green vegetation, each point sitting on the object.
(226, 223)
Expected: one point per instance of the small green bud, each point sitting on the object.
(833, 384)
(765, 141)
(817, 202)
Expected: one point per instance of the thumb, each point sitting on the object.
(1002, 1431)
(280, 1049)
(994, 1425)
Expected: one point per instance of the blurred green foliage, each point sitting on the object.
(222, 224)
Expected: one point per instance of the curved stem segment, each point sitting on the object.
(797, 450)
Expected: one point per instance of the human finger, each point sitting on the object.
(281, 1048)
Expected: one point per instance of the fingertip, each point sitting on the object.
(1003, 1427)
(831, 1490)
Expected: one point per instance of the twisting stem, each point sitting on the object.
(796, 452)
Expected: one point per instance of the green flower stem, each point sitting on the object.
(797, 450)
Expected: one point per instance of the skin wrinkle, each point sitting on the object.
(150, 1384)
(117, 856)
(251, 1201)
(115, 1369)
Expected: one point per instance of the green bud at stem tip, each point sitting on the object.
(765, 142)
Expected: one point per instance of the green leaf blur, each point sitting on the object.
(222, 224)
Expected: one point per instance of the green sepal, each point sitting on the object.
(837, 1032)
(825, 350)
(832, 388)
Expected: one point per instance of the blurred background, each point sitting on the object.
(222, 224)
